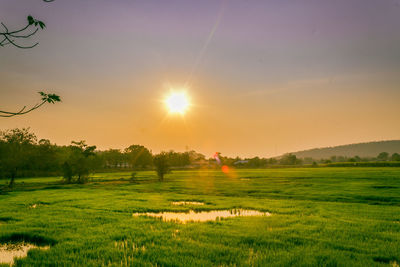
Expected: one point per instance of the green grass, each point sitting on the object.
(320, 217)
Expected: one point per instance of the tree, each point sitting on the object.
(256, 162)
(383, 156)
(289, 159)
(197, 159)
(308, 160)
(314, 164)
(272, 161)
(138, 156)
(10, 37)
(162, 165)
(68, 173)
(396, 157)
(16, 150)
(80, 162)
(45, 159)
(177, 159)
(113, 158)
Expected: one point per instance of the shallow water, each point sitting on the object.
(202, 216)
(183, 203)
(9, 251)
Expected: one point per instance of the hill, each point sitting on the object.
(370, 149)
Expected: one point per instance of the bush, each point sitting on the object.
(133, 177)
(365, 164)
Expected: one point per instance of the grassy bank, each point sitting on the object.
(320, 216)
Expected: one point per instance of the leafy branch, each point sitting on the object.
(45, 98)
(12, 37)
(8, 37)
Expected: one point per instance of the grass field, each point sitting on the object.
(319, 217)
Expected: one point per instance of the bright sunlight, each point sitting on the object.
(177, 102)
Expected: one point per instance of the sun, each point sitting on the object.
(177, 102)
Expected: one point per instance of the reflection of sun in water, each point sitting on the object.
(177, 102)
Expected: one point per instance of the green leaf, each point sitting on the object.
(42, 25)
(50, 98)
(30, 20)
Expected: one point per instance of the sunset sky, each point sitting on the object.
(264, 77)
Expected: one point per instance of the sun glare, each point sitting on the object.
(177, 102)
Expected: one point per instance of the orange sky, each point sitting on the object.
(268, 80)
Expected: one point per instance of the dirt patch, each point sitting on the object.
(16, 250)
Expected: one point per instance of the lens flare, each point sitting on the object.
(225, 169)
(216, 157)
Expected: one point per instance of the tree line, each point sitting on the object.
(23, 155)
(381, 157)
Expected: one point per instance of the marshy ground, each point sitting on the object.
(318, 216)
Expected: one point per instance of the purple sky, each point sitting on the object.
(274, 76)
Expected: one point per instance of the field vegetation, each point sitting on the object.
(319, 217)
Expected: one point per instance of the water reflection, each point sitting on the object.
(202, 216)
(9, 251)
(183, 203)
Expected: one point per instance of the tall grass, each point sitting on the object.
(320, 217)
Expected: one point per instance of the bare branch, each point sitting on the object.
(24, 36)
(10, 41)
(2, 42)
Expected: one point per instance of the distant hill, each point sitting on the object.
(370, 149)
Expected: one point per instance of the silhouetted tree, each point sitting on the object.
(162, 165)
(308, 160)
(256, 162)
(272, 161)
(45, 158)
(68, 174)
(314, 164)
(396, 157)
(80, 162)
(383, 156)
(289, 159)
(177, 159)
(114, 158)
(138, 156)
(15, 151)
